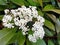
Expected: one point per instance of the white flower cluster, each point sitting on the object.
(21, 17)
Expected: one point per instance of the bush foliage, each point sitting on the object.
(49, 9)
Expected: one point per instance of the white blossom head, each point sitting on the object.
(26, 19)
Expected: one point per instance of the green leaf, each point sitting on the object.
(46, 1)
(58, 4)
(18, 2)
(26, 3)
(39, 42)
(51, 8)
(30, 32)
(56, 10)
(58, 38)
(40, 2)
(48, 33)
(3, 7)
(53, 17)
(32, 2)
(11, 6)
(50, 42)
(6, 34)
(20, 38)
(57, 24)
(1, 16)
(49, 25)
(40, 13)
(13, 39)
(3, 2)
(48, 8)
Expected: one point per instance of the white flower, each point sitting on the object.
(23, 33)
(21, 17)
(24, 29)
(9, 25)
(16, 21)
(37, 24)
(41, 19)
(39, 33)
(23, 7)
(7, 18)
(14, 13)
(6, 11)
(23, 22)
(31, 38)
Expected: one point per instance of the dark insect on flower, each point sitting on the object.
(30, 24)
(1, 26)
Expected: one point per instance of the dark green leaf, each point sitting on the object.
(48, 8)
(56, 10)
(39, 42)
(57, 24)
(49, 25)
(51, 8)
(40, 13)
(46, 0)
(13, 39)
(48, 33)
(50, 42)
(58, 38)
(20, 38)
(26, 3)
(6, 34)
(40, 2)
(1, 16)
(30, 32)
(58, 4)
(11, 5)
(32, 2)
(3, 2)
(18, 2)
(2, 8)
(53, 17)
